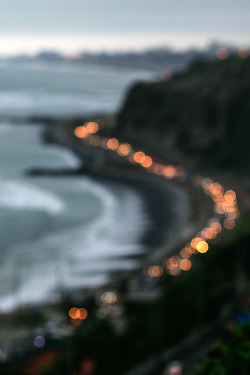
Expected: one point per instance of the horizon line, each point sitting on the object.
(12, 45)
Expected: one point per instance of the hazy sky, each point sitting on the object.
(74, 25)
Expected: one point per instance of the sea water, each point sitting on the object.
(64, 89)
(63, 232)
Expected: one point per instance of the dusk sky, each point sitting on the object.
(78, 25)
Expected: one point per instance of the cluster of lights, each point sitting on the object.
(222, 53)
(125, 150)
(87, 129)
(225, 203)
(78, 313)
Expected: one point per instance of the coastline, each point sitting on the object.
(162, 198)
(173, 209)
(158, 245)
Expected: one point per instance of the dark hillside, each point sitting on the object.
(201, 115)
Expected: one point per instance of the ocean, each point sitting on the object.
(64, 89)
(65, 232)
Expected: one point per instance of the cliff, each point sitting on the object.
(200, 115)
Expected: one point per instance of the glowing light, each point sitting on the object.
(219, 209)
(124, 149)
(73, 313)
(82, 313)
(147, 162)
(195, 242)
(77, 314)
(230, 195)
(92, 127)
(216, 189)
(243, 53)
(173, 262)
(229, 224)
(39, 341)
(139, 157)
(109, 297)
(185, 265)
(209, 233)
(169, 171)
(222, 53)
(233, 215)
(218, 198)
(228, 207)
(112, 143)
(202, 247)
(155, 271)
(81, 132)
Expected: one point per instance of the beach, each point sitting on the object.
(146, 217)
(175, 210)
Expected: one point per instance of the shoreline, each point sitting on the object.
(143, 184)
(165, 233)
(156, 243)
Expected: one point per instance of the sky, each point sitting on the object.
(71, 26)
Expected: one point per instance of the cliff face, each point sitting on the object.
(201, 114)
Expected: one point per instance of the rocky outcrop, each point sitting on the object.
(201, 114)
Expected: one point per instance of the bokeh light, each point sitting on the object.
(147, 162)
(243, 53)
(169, 171)
(112, 143)
(139, 157)
(81, 132)
(202, 247)
(124, 149)
(229, 224)
(185, 264)
(222, 53)
(82, 313)
(92, 127)
(39, 341)
(109, 297)
(73, 313)
(155, 271)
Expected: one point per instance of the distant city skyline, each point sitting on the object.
(72, 26)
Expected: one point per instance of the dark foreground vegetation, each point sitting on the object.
(230, 356)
